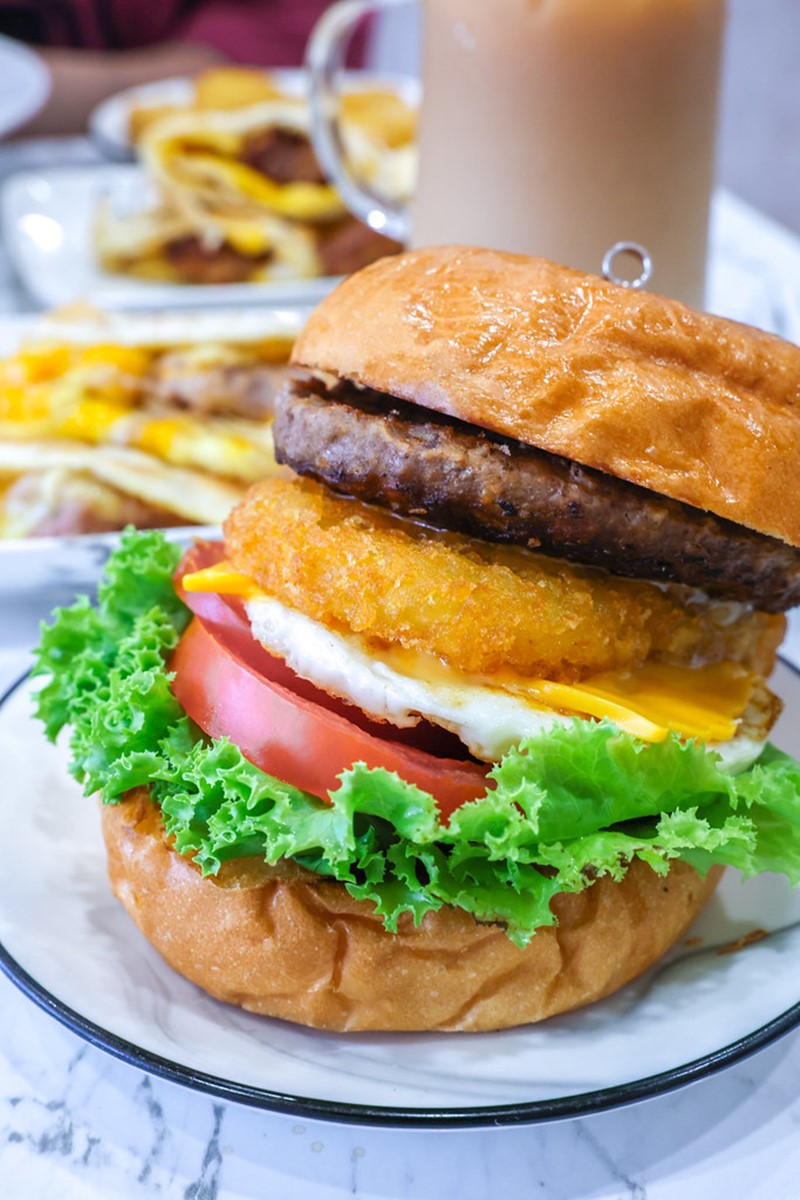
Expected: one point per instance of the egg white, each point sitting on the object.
(487, 719)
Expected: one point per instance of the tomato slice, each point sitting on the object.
(292, 737)
(226, 617)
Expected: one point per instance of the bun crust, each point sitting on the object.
(695, 407)
(283, 943)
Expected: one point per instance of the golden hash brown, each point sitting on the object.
(480, 608)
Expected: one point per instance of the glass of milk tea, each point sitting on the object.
(551, 127)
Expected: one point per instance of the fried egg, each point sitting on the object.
(729, 710)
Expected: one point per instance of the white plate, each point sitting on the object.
(109, 123)
(48, 218)
(84, 961)
(40, 574)
(69, 564)
(24, 84)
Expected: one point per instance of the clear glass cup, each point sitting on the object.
(551, 127)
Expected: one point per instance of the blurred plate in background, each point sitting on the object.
(48, 221)
(24, 84)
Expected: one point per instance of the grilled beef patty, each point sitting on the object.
(195, 262)
(457, 476)
(282, 155)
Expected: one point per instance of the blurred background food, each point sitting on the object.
(104, 424)
(241, 196)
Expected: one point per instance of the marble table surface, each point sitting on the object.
(76, 1124)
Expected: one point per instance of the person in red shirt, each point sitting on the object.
(94, 48)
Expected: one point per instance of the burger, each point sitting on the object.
(459, 725)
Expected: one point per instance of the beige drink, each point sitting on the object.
(559, 127)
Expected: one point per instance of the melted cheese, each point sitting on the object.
(302, 201)
(93, 420)
(222, 580)
(488, 713)
(248, 237)
(132, 360)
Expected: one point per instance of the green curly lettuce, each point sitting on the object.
(561, 809)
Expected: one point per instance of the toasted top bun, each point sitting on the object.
(285, 943)
(703, 410)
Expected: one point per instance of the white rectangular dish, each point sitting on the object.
(47, 222)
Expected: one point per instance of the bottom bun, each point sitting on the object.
(285, 943)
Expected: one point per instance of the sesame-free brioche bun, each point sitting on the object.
(700, 409)
(285, 943)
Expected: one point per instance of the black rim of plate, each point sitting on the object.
(310, 1108)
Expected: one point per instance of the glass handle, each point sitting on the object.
(325, 56)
